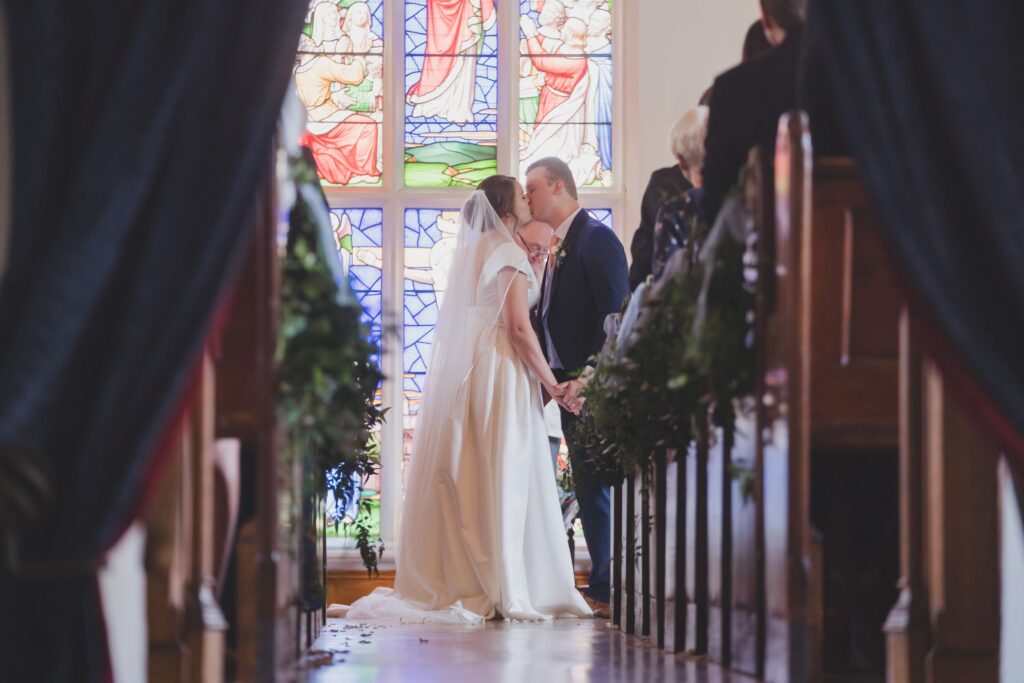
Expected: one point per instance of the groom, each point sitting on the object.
(585, 280)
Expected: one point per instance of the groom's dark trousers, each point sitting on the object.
(595, 499)
(588, 282)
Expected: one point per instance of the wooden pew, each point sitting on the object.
(264, 606)
(945, 625)
(744, 582)
(830, 368)
(618, 559)
(827, 319)
(631, 604)
(841, 371)
(631, 547)
(644, 591)
(672, 633)
(185, 624)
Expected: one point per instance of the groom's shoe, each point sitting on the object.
(601, 609)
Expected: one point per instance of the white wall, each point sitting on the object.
(673, 51)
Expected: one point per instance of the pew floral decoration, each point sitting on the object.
(644, 393)
(687, 366)
(327, 378)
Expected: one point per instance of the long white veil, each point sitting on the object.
(464, 326)
(481, 231)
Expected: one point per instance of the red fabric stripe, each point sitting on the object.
(976, 399)
(176, 421)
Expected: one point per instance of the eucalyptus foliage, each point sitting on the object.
(675, 377)
(327, 378)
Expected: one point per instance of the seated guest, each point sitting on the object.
(665, 184)
(755, 42)
(747, 101)
(535, 239)
(679, 218)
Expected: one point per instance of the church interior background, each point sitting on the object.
(408, 104)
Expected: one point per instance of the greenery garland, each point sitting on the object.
(675, 379)
(327, 378)
(641, 398)
(721, 351)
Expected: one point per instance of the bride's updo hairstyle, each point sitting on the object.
(501, 193)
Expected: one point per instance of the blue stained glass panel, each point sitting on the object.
(430, 236)
(360, 238)
(485, 105)
(602, 215)
(416, 30)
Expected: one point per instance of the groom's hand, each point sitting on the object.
(560, 392)
(570, 399)
(572, 395)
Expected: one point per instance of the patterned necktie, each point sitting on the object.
(549, 275)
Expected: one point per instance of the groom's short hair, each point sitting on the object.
(556, 170)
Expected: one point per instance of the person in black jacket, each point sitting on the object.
(755, 42)
(670, 184)
(747, 101)
(665, 184)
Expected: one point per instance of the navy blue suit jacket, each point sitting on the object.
(590, 282)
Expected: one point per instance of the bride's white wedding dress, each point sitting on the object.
(482, 533)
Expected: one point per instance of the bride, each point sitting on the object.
(482, 535)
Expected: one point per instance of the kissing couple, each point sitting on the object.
(482, 535)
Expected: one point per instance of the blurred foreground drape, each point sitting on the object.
(930, 99)
(142, 133)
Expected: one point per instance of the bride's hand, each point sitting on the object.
(565, 396)
(557, 391)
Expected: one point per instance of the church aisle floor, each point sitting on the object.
(571, 650)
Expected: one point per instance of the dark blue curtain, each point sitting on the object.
(930, 99)
(142, 136)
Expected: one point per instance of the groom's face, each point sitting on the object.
(540, 192)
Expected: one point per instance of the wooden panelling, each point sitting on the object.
(854, 307)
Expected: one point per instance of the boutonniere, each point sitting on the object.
(560, 253)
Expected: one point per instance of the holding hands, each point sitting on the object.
(566, 395)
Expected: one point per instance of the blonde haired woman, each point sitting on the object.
(677, 218)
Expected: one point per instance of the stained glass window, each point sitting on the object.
(339, 73)
(430, 236)
(602, 215)
(565, 86)
(445, 110)
(360, 235)
(451, 102)
(360, 239)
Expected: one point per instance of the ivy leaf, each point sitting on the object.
(678, 382)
